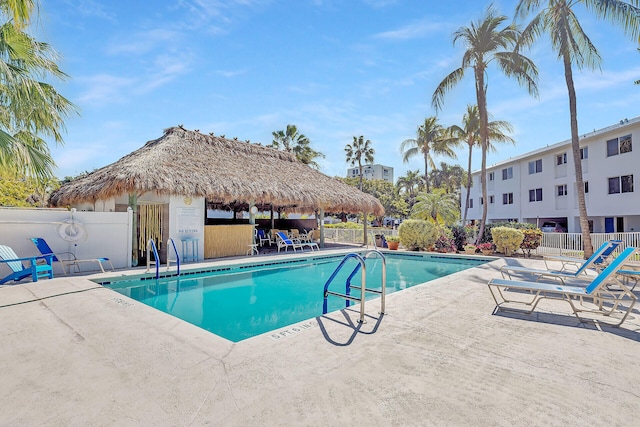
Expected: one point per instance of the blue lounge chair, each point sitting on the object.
(283, 241)
(35, 270)
(597, 259)
(66, 258)
(605, 300)
(599, 263)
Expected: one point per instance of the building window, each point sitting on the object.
(386, 172)
(535, 195)
(535, 166)
(481, 201)
(491, 176)
(584, 153)
(491, 200)
(507, 198)
(586, 187)
(561, 159)
(470, 206)
(620, 145)
(562, 190)
(507, 173)
(621, 184)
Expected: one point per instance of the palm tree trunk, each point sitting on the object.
(484, 138)
(360, 172)
(577, 161)
(466, 204)
(426, 169)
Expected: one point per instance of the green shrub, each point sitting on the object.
(486, 236)
(532, 239)
(507, 239)
(417, 234)
(460, 236)
(445, 241)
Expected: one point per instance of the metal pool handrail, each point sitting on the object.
(152, 244)
(175, 250)
(363, 288)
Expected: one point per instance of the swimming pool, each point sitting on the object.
(242, 301)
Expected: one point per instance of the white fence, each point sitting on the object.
(355, 236)
(93, 235)
(571, 243)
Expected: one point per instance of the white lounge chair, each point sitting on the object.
(599, 263)
(606, 290)
(594, 260)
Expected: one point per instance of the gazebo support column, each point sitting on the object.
(133, 204)
(321, 227)
(364, 241)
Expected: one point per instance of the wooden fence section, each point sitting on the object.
(227, 240)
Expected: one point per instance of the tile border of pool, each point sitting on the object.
(231, 264)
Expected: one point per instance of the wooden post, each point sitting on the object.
(321, 227)
(133, 204)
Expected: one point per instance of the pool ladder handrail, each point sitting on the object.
(151, 244)
(175, 250)
(363, 288)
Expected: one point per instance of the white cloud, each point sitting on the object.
(143, 41)
(412, 31)
(104, 88)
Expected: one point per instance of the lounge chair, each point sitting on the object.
(599, 263)
(605, 299)
(35, 270)
(283, 241)
(592, 262)
(66, 258)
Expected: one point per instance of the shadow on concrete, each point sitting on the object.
(348, 323)
(569, 320)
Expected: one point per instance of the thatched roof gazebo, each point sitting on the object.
(226, 173)
(188, 163)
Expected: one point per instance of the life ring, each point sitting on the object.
(71, 230)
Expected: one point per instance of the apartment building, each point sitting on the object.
(540, 186)
(372, 172)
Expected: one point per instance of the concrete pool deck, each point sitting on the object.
(75, 353)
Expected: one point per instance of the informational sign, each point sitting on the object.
(189, 220)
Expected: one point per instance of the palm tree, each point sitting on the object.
(574, 47)
(292, 141)
(410, 183)
(357, 151)
(448, 178)
(486, 43)
(437, 206)
(432, 137)
(31, 109)
(469, 134)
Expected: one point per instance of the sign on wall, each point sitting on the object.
(189, 220)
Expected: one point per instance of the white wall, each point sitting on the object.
(104, 234)
(186, 221)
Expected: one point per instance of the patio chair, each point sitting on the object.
(562, 274)
(605, 299)
(35, 270)
(599, 263)
(66, 258)
(263, 237)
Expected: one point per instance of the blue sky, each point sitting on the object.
(334, 68)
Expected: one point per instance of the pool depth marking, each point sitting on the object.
(285, 333)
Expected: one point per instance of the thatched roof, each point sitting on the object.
(188, 163)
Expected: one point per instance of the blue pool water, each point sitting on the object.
(243, 301)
